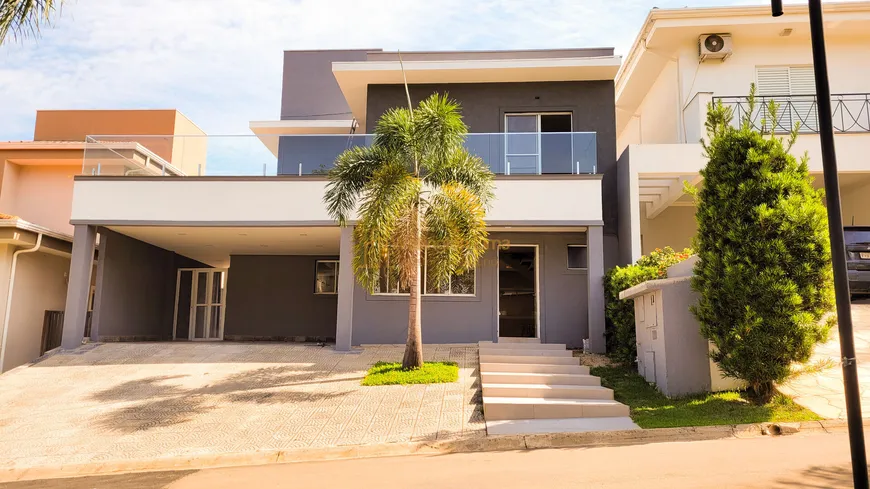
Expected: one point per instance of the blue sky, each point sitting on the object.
(219, 61)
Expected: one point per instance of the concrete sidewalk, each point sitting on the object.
(112, 403)
(823, 392)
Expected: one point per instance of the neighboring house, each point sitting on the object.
(665, 84)
(237, 255)
(36, 190)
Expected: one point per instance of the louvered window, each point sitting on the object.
(793, 88)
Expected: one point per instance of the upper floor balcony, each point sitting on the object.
(515, 153)
(850, 113)
(542, 179)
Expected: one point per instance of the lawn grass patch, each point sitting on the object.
(652, 409)
(385, 373)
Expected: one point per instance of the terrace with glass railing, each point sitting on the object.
(527, 153)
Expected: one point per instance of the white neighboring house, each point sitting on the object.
(667, 81)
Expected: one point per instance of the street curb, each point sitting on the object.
(486, 444)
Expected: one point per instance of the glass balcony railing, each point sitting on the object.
(306, 154)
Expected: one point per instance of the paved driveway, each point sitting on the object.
(823, 391)
(127, 401)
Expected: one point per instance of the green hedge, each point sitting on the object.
(621, 344)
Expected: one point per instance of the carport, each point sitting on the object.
(157, 283)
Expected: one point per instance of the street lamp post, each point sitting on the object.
(838, 244)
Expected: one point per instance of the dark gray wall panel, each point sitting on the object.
(274, 296)
(563, 299)
(309, 88)
(591, 104)
(137, 287)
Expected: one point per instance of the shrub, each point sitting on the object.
(764, 274)
(621, 343)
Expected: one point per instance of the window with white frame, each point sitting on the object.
(326, 277)
(578, 257)
(458, 284)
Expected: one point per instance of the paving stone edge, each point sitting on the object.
(460, 445)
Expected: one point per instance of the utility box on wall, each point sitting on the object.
(670, 349)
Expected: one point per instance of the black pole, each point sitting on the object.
(838, 245)
(776, 7)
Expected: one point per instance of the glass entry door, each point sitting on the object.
(199, 304)
(518, 304)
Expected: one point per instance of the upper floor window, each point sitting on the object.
(458, 284)
(785, 80)
(538, 142)
(794, 89)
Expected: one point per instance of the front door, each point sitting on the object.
(199, 304)
(518, 291)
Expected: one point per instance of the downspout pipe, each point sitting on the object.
(9, 295)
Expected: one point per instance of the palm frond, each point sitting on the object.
(22, 18)
(405, 245)
(395, 132)
(438, 126)
(465, 169)
(384, 202)
(352, 171)
(455, 231)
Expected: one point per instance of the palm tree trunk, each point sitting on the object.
(414, 347)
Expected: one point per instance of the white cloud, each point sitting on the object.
(219, 61)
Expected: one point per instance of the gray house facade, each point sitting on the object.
(247, 257)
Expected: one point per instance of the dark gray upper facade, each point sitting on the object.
(484, 106)
(310, 91)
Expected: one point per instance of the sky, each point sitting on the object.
(219, 61)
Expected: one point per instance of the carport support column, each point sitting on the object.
(344, 321)
(79, 286)
(595, 274)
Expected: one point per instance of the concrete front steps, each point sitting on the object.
(532, 387)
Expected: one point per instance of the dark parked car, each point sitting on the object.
(858, 259)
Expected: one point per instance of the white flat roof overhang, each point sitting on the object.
(268, 132)
(355, 77)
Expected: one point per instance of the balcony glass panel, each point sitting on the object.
(306, 154)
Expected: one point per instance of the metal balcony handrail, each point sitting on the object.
(851, 112)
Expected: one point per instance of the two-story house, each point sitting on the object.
(36, 189)
(684, 59)
(249, 252)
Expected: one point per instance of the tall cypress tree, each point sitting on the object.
(764, 273)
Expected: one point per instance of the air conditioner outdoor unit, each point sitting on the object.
(714, 46)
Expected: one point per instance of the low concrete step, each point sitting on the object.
(541, 360)
(518, 346)
(547, 391)
(539, 379)
(533, 368)
(558, 425)
(519, 340)
(525, 352)
(495, 408)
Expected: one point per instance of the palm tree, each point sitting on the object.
(23, 17)
(417, 187)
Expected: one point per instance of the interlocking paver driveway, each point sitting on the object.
(126, 401)
(823, 391)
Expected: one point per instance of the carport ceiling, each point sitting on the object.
(214, 245)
